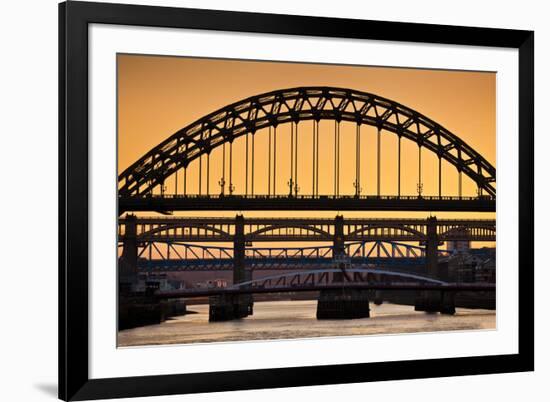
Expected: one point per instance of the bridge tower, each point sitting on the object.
(239, 274)
(434, 301)
(230, 307)
(432, 244)
(128, 261)
(343, 302)
(338, 246)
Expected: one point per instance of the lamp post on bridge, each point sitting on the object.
(419, 189)
(221, 182)
(358, 188)
(290, 185)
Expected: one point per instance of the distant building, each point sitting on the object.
(459, 245)
(156, 281)
(212, 283)
(473, 265)
(485, 269)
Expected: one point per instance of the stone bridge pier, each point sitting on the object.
(231, 307)
(433, 301)
(339, 248)
(341, 303)
(127, 267)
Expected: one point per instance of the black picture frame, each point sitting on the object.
(74, 381)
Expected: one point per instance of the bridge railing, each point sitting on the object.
(228, 220)
(310, 197)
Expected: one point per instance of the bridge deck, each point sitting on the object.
(215, 229)
(451, 287)
(168, 203)
(313, 221)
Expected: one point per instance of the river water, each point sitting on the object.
(296, 319)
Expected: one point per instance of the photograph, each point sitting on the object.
(261, 200)
(275, 201)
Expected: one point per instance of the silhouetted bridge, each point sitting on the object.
(211, 229)
(289, 122)
(176, 256)
(196, 169)
(374, 239)
(450, 287)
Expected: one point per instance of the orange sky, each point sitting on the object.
(159, 95)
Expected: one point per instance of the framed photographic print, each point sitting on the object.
(258, 200)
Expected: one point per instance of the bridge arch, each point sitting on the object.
(254, 235)
(456, 232)
(294, 105)
(402, 228)
(382, 272)
(164, 228)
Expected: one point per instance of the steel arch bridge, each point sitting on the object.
(142, 185)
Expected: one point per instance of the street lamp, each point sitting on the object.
(419, 188)
(221, 182)
(290, 184)
(357, 187)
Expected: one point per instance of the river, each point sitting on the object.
(296, 319)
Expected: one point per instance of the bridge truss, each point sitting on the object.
(175, 256)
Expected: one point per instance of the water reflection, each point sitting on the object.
(296, 319)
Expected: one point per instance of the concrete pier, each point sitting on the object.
(428, 301)
(448, 303)
(127, 267)
(234, 307)
(138, 310)
(378, 299)
(229, 307)
(436, 302)
(342, 304)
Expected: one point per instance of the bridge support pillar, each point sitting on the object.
(239, 273)
(378, 297)
(230, 307)
(339, 249)
(432, 244)
(448, 303)
(430, 301)
(127, 269)
(342, 304)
